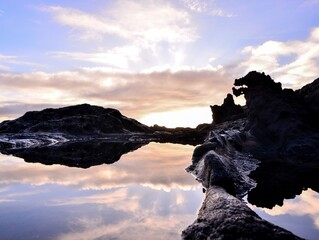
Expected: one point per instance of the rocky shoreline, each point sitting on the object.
(271, 154)
(267, 150)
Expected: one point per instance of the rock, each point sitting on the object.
(280, 135)
(275, 115)
(75, 120)
(228, 111)
(223, 216)
(310, 94)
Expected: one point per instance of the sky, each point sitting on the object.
(158, 61)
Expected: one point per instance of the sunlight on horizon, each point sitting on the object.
(189, 117)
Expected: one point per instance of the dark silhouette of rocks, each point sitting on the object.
(75, 120)
(285, 126)
(81, 154)
(228, 111)
(223, 165)
(310, 95)
(272, 154)
(278, 180)
(86, 121)
(277, 115)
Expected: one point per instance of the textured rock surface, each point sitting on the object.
(225, 217)
(75, 120)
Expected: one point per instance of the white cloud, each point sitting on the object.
(134, 94)
(119, 57)
(134, 34)
(207, 7)
(301, 65)
(143, 22)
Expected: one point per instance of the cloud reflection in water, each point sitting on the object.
(147, 194)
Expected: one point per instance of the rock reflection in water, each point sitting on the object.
(278, 180)
(147, 194)
(83, 154)
(300, 215)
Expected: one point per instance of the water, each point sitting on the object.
(299, 215)
(145, 195)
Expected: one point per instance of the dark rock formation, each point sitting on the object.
(310, 94)
(223, 216)
(86, 121)
(75, 120)
(228, 111)
(222, 164)
(281, 135)
(278, 180)
(277, 115)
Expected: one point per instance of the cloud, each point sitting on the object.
(15, 60)
(143, 22)
(134, 94)
(207, 7)
(293, 62)
(119, 57)
(132, 33)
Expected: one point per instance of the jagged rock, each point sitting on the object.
(75, 120)
(281, 135)
(228, 111)
(275, 115)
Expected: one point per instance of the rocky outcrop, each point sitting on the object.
(89, 122)
(228, 111)
(222, 165)
(223, 216)
(75, 120)
(277, 115)
(271, 154)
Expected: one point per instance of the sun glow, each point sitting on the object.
(189, 117)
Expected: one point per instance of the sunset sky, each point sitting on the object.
(157, 61)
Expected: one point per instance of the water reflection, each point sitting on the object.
(145, 195)
(82, 154)
(299, 215)
(279, 180)
(287, 195)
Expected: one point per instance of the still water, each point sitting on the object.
(145, 195)
(299, 215)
